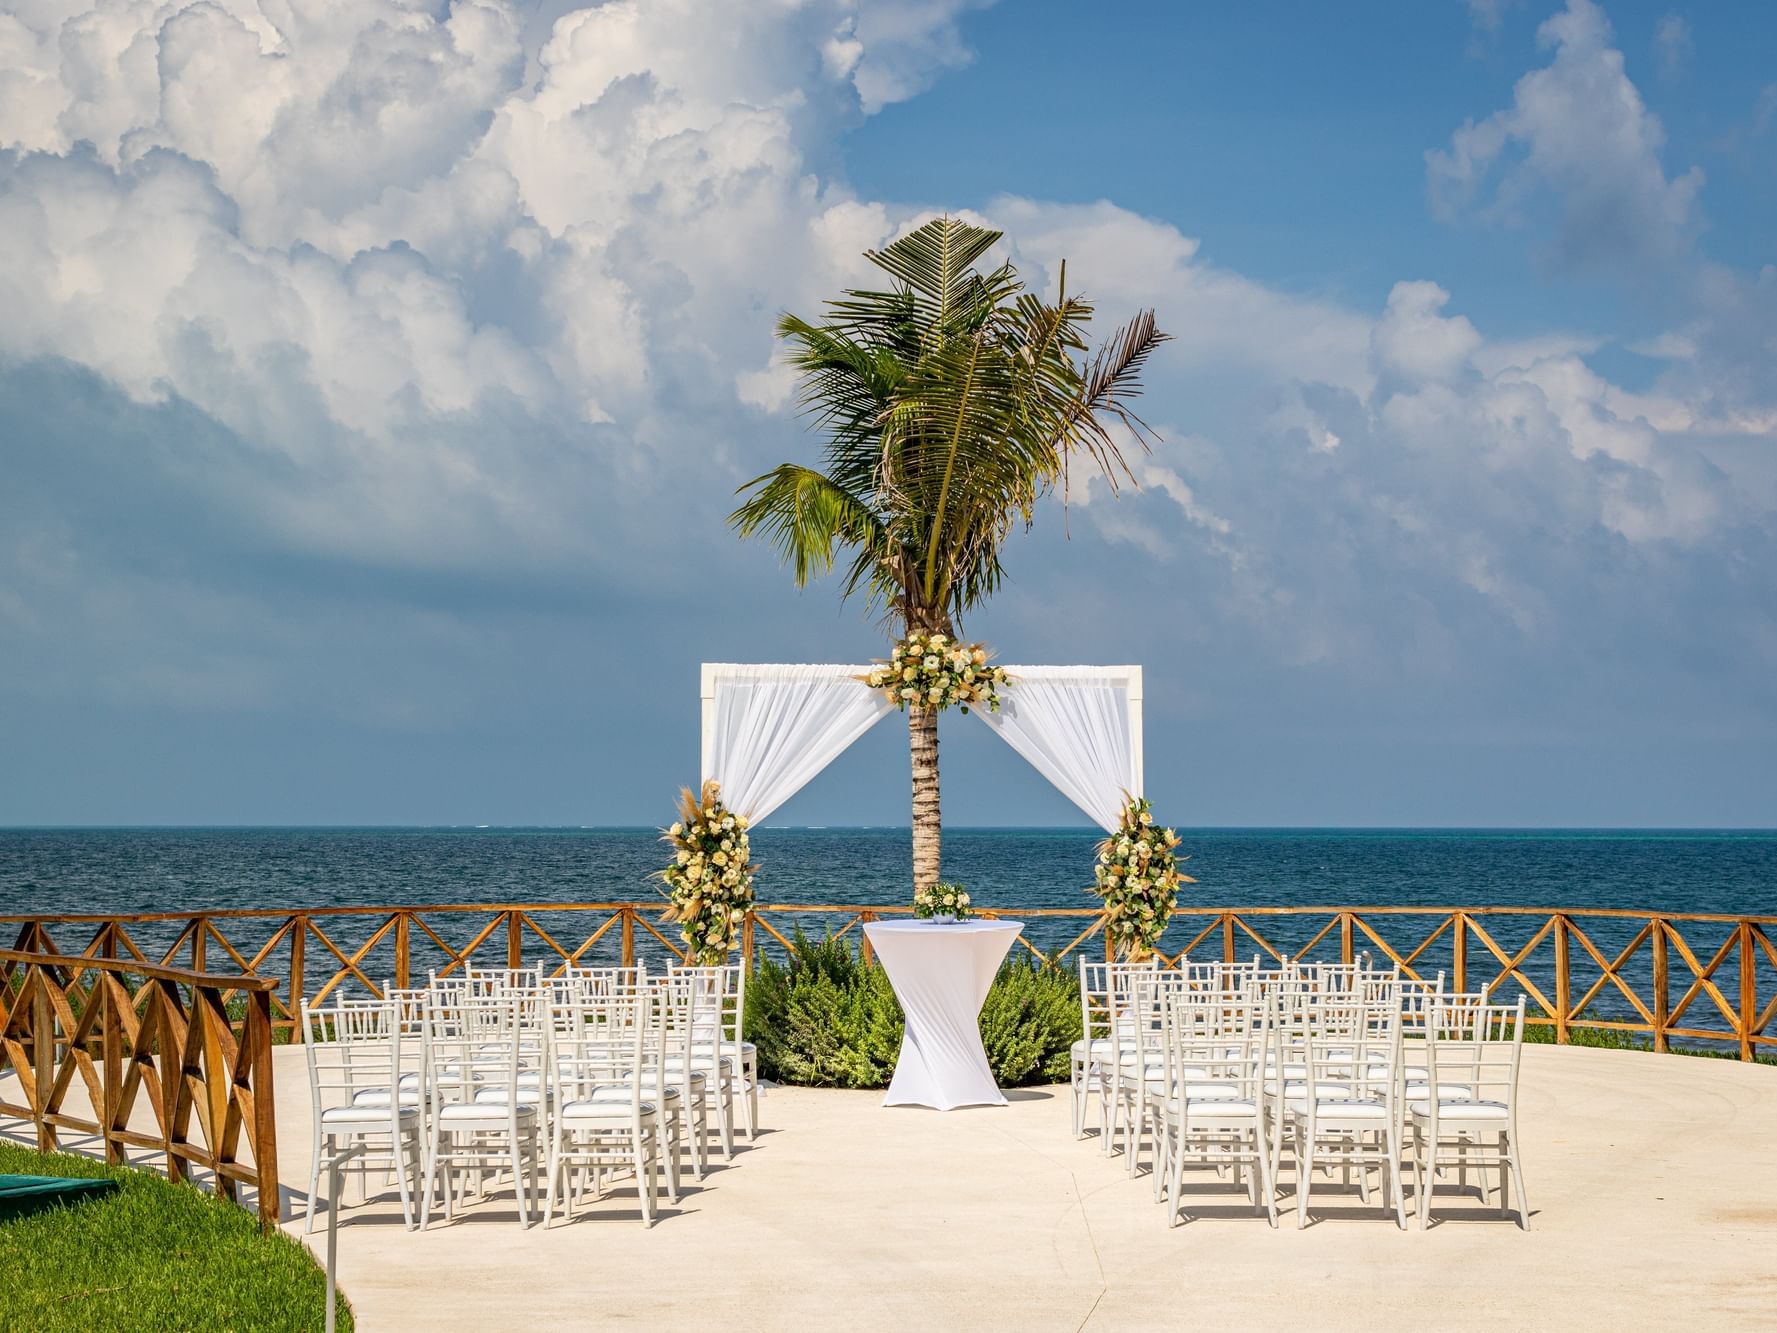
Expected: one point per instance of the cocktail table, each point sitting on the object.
(941, 974)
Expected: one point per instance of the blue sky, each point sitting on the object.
(379, 378)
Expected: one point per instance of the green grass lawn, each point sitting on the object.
(152, 1256)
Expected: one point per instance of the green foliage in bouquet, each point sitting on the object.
(825, 1019)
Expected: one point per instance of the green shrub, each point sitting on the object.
(153, 1255)
(825, 1019)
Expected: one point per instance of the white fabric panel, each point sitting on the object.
(1076, 727)
(941, 975)
(773, 727)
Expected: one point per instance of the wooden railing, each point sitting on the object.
(1685, 976)
(195, 1047)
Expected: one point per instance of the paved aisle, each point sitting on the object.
(1653, 1179)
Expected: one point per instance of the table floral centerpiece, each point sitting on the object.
(941, 903)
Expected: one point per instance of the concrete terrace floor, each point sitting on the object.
(1652, 1181)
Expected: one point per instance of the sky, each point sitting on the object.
(375, 379)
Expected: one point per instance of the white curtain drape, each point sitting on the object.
(1078, 726)
(769, 729)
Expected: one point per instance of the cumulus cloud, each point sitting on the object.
(1578, 133)
(363, 357)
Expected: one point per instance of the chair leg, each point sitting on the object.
(1392, 1177)
(1425, 1165)
(645, 1179)
(1511, 1143)
(1304, 1173)
(519, 1192)
(314, 1183)
(1267, 1180)
(400, 1168)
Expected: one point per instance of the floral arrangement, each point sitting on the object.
(941, 900)
(933, 671)
(1138, 878)
(710, 881)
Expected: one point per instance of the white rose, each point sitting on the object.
(676, 829)
(684, 857)
(720, 858)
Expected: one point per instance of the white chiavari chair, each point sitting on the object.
(356, 1067)
(717, 1052)
(486, 1118)
(607, 1055)
(1472, 1056)
(1346, 1109)
(1091, 1062)
(1123, 1064)
(1210, 1108)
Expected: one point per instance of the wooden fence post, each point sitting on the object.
(864, 950)
(514, 939)
(199, 942)
(43, 1055)
(299, 930)
(403, 951)
(1563, 981)
(1227, 937)
(265, 1118)
(1662, 997)
(1344, 938)
(746, 944)
(629, 935)
(1459, 952)
(110, 1114)
(1748, 990)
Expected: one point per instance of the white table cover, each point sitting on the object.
(941, 975)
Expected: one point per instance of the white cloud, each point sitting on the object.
(1579, 130)
(427, 299)
(1672, 44)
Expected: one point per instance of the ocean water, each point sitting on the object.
(128, 871)
(189, 869)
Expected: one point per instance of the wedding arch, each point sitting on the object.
(768, 729)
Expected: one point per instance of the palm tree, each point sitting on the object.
(951, 403)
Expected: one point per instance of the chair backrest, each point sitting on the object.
(719, 995)
(353, 1046)
(1217, 1045)
(495, 981)
(1095, 1000)
(477, 1043)
(1352, 1048)
(1476, 1046)
(601, 1042)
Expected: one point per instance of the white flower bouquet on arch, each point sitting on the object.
(934, 671)
(1138, 878)
(710, 880)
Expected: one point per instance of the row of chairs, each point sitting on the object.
(488, 1075)
(1357, 1068)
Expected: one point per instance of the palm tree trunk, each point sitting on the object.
(922, 739)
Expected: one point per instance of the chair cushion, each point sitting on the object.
(380, 1097)
(1465, 1109)
(526, 1096)
(483, 1111)
(603, 1110)
(366, 1116)
(1342, 1108)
